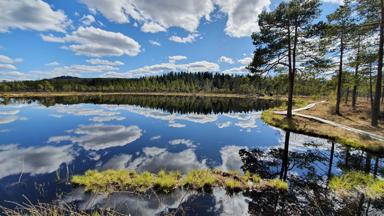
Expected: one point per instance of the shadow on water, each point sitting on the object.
(172, 104)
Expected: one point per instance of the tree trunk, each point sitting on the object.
(290, 77)
(370, 85)
(376, 101)
(356, 77)
(340, 76)
(347, 96)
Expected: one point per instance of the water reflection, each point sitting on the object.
(40, 154)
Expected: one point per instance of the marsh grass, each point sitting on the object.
(45, 209)
(109, 181)
(354, 183)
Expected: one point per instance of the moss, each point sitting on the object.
(355, 182)
(109, 181)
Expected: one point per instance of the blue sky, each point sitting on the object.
(127, 38)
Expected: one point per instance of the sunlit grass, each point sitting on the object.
(109, 181)
(353, 183)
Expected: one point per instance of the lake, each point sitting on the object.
(45, 141)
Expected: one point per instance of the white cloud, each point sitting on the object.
(98, 137)
(226, 59)
(76, 70)
(33, 160)
(155, 43)
(230, 158)
(172, 13)
(236, 71)
(91, 41)
(155, 16)
(155, 159)
(173, 59)
(200, 66)
(87, 20)
(8, 119)
(31, 14)
(104, 62)
(100, 119)
(152, 27)
(7, 60)
(158, 69)
(242, 15)
(54, 63)
(187, 142)
(188, 39)
(13, 75)
(245, 61)
(224, 124)
(7, 67)
(334, 1)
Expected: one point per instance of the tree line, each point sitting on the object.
(204, 82)
(348, 45)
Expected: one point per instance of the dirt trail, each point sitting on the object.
(325, 121)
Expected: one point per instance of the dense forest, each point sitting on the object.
(180, 82)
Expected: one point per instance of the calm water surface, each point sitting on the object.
(44, 141)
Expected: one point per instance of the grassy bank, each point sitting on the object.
(358, 118)
(54, 94)
(165, 182)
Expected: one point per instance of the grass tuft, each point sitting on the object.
(109, 181)
(353, 183)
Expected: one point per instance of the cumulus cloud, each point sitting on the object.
(31, 15)
(87, 20)
(7, 67)
(230, 158)
(104, 62)
(95, 42)
(98, 137)
(242, 15)
(33, 160)
(152, 27)
(155, 15)
(100, 119)
(155, 159)
(188, 39)
(226, 59)
(173, 59)
(75, 70)
(187, 142)
(158, 69)
(237, 71)
(245, 61)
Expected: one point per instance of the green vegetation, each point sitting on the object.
(175, 83)
(54, 209)
(109, 181)
(353, 183)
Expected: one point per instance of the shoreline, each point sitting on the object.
(181, 94)
(317, 129)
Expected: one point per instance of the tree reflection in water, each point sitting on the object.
(308, 191)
